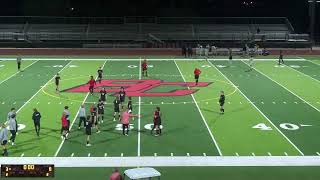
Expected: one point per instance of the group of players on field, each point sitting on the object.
(96, 115)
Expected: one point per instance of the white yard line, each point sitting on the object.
(76, 116)
(17, 72)
(284, 87)
(308, 61)
(167, 161)
(139, 111)
(303, 73)
(42, 87)
(258, 109)
(204, 120)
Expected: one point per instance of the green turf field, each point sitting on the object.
(272, 110)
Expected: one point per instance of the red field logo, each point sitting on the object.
(140, 87)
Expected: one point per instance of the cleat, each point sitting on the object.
(88, 145)
(98, 132)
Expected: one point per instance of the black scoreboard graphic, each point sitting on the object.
(27, 170)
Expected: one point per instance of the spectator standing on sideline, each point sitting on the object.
(19, 60)
(115, 175)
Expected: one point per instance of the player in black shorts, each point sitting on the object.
(156, 121)
(281, 58)
(116, 104)
(230, 56)
(57, 82)
(100, 111)
(100, 73)
(103, 94)
(122, 96)
(88, 125)
(93, 111)
(221, 102)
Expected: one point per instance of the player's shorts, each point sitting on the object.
(88, 131)
(196, 76)
(100, 76)
(65, 128)
(3, 143)
(116, 110)
(230, 57)
(122, 100)
(221, 103)
(36, 123)
(57, 83)
(157, 122)
(91, 87)
(144, 69)
(100, 111)
(103, 98)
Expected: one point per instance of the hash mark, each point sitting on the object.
(72, 154)
(22, 155)
(171, 154)
(188, 154)
(237, 154)
(269, 154)
(155, 154)
(105, 154)
(121, 154)
(318, 153)
(89, 154)
(253, 154)
(39, 154)
(285, 153)
(273, 102)
(204, 154)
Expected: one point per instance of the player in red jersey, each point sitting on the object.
(91, 83)
(144, 67)
(157, 121)
(64, 128)
(197, 73)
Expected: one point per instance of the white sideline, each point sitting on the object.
(76, 116)
(204, 120)
(152, 59)
(167, 161)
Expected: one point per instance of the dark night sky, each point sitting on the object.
(296, 10)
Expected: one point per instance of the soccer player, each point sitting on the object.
(93, 111)
(230, 56)
(64, 124)
(67, 113)
(281, 58)
(122, 95)
(221, 102)
(100, 111)
(103, 94)
(251, 63)
(4, 139)
(12, 128)
(156, 122)
(36, 116)
(116, 104)
(19, 62)
(144, 67)
(91, 83)
(88, 125)
(57, 81)
(82, 116)
(197, 73)
(100, 73)
(125, 121)
(10, 114)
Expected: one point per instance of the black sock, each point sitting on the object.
(87, 142)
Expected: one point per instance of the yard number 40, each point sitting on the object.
(286, 126)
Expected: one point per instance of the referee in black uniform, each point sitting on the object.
(88, 125)
(36, 116)
(281, 58)
(221, 102)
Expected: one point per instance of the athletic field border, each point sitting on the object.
(150, 59)
(167, 161)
